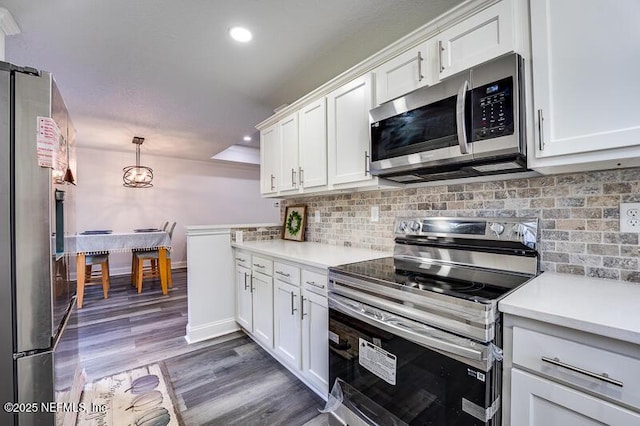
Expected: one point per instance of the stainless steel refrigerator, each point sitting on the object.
(38, 346)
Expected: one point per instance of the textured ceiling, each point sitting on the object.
(167, 70)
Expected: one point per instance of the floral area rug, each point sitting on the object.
(138, 397)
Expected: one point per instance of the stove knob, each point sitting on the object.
(496, 228)
(403, 227)
(415, 226)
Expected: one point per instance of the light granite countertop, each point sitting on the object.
(600, 306)
(309, 253)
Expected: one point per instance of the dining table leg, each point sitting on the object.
(162, 260)
(80, 259)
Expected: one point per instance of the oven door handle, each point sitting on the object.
(470, 350)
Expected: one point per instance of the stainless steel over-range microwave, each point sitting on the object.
(471, 124)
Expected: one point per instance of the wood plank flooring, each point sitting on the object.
(225, 381)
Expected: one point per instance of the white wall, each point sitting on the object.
(188, 192)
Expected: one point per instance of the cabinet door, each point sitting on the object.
(269, 160)
(288, 130)
(479, 38)
(539, 402)
(263, 308)
(244, 309)
(315, 340)
(585, 66)
(348, 131)
(313, 144)
(287, 323)
(404, 73)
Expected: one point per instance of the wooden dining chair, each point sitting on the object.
(133, 258)
(101, 260)
(152, 270)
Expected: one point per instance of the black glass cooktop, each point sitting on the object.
(479, 285)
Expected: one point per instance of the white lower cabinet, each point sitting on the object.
(555, 375)
(244, 298)
(536, 401)
(262, 288)
(315, 336)
(287, 313)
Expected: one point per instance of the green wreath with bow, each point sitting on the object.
(294, 223)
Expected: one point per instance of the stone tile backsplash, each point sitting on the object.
(579, 217)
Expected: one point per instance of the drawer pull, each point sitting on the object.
(239, 259)
(283, 274)
(604, 377)
(313, 283)
(257, 265)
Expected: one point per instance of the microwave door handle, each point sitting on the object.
(461, 125)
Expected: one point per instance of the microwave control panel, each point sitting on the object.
(492, 112)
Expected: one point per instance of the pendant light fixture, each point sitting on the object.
(137, 176)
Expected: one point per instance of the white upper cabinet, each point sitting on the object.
(585, 58)
(406, 72)
(313, 145)
(479, 38)
(289, 164)
(269, 160)
(348, 131)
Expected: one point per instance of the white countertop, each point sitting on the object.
(606, 307)
(231, 226)
(312, 254)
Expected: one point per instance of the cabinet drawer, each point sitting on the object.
(314, 281)
(243, 259)
(597, 371)
(260, 264)
(286, 273)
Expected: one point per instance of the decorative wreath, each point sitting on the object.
(294, 222)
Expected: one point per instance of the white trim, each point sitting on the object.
(8, 25)
(210, 330)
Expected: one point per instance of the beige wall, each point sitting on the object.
(579, 216)
(188, 192)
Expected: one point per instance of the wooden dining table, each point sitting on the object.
(93, 243)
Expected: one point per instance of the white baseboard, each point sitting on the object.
(210, 330)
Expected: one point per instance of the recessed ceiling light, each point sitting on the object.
(247, 138)
(240, 34)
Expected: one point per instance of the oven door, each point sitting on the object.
(395, 368)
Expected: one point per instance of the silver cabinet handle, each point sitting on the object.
(283, 274)
(313, 283)
(462, 128)
(302, 314)
(245, 281)
(440, 50)
(420, 76)
(300, 179)
(292, 303)
(293, 177)
(366, 163)
(257, 265)
(540, 130)
(252, 288)
(239, 259)
(604, 376)
(272, 185)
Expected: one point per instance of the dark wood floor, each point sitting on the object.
(225, 381)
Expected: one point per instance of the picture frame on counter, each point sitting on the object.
(295, 223)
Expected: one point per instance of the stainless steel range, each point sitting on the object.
(415, 338)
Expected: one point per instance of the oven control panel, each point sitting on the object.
(524, 230)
